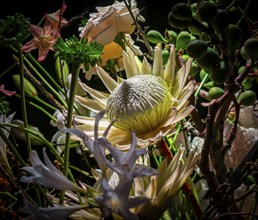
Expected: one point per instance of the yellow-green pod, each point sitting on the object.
(29, 89)
(62, 71)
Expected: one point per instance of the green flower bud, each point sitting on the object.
(247, 83)
(247, 98)
(220, 73)
(155, 37)
(194, 69)
(183, 38)
(209, 85)
(176, 23)
(196, 48)
(20, 133)
(29, 89)
(206, 11)
(62, 71)
(216, 92)
(182, 11)
(251, 48)
(208, 59)
(221, 21)
(234, 37)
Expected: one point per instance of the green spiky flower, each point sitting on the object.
(74, 50)
(14, 29)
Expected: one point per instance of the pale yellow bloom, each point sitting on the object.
(149, 102)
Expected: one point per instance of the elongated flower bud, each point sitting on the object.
(29, 89)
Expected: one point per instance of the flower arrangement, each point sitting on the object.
(155, 139)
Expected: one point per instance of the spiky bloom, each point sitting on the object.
(149, 102)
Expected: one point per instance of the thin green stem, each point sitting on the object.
(74, 82)
(12, 147)
(45, 103)
(201, 85)
(45, 82)
(23, 99)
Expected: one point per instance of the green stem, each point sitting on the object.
(23, 98)
(200, 86)
(74, 82)
(44, 81)
(45, 103)
(12, 148)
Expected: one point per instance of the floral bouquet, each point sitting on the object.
(146, 125)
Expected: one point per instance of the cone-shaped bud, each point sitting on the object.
(155, 37)
(206, 11)
(216, 92)
(221, 21)
(183, 38)
(234, 37)
(139, 103)
(176, 23)
(247, 98)
(29, 89)
(196, 48)
(208, 60)
(220, 73)
(251, 48)
(182, 11)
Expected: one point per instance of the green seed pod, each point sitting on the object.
(182, 11)
(216, 92)
(62, 71)
(165, 55)
(247, 83)
(243, 53)
(194, 7)
(206, 11)
(221, 21)
(175, 23)
(234, 37)
(202, 74)
(196, 48)
(220, 73)
(209, 85)
(194, 30)
(247, 98)
(155, 37)
(251, 48)
(29, 89)
(194, 69)
(183, 38)
(21, 134)
(172, 35)
(208, 59)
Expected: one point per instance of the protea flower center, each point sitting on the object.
(139, 103)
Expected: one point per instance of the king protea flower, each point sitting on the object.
(149, 102)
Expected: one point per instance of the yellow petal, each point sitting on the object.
(169, 72)
(158, 67)
(146, 67)
(90, 104)
(109, 82)
(95, 94)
